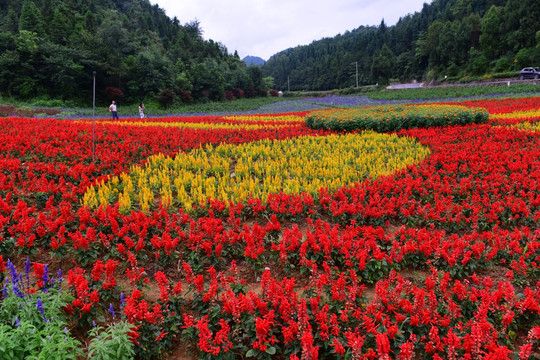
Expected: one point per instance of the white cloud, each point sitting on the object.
(265, 27)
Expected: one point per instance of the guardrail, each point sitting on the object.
(501, 82)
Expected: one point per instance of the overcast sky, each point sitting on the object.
(265, 27)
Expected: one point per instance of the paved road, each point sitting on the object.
(499, 82)
(405, 86)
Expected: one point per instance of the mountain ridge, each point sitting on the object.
(452, 38)
(50, 49)
(253, 60)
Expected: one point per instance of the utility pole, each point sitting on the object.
(94, 119)
(288, 84)
(357, 74)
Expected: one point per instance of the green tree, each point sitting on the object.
(19, 66)
(491, 39)
(432, 42)
(474, 24)
(64, 70)
(147, 73)
(61, 25)
(478, 63)
(521, 23)
(268, 83)
(9, 71)
(114, 45)
(11, 22)
(47, 12)
(382, 68)
(30, 19)
(208, 82)
(256, 75)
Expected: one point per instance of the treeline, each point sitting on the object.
(50, 48)
(452, 38)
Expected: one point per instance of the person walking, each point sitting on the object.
(141, 110)
(112, 109)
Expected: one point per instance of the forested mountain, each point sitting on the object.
(253, 60)
(50, 48)
(447, 37)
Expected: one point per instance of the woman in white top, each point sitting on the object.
(141, 110)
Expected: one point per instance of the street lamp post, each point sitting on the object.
(94, 119)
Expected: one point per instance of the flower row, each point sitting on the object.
(245, 122)
(394, 117)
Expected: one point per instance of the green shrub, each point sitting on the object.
(47, 103)
(452, 92)
(111, 343)
(394, 117)
(33, 324)
(27, 341)
(166, 97)
(505, 75)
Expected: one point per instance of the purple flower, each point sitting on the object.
(15, 280)
(17, 322)
(59, 275)
(13, 272)
(111, 310)
(45, 278)
(122, 300)
(17, 291)
(27, 267)
(46, 273)
(39, 305)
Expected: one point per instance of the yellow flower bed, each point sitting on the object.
(266, 118)
(245, 122)
(195, 125)
(525, 116)
(237, 172)
(530, 114)
(527, 126)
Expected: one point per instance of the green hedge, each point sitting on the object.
(439, 92)
(394, 117)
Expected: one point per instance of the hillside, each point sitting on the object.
(452, 38)
(253, 60)
(50, 49)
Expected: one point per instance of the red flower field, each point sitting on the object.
(440, 260)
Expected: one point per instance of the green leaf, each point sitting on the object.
(271, 350)
(251, 353)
